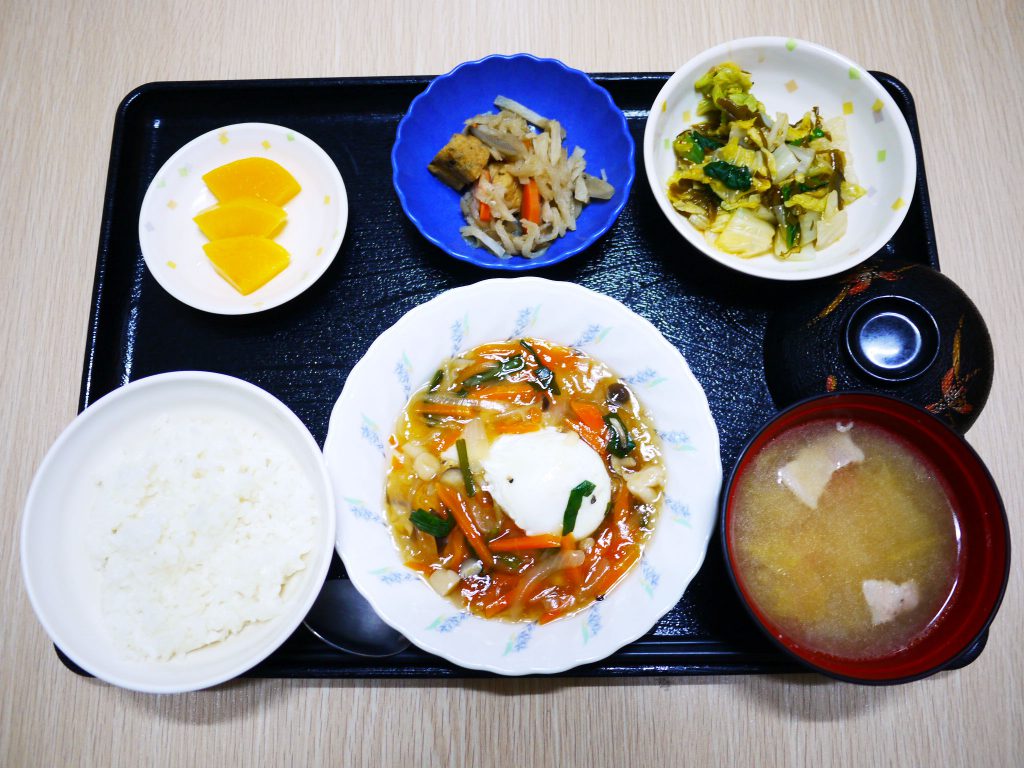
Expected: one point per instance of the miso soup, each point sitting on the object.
(845, 539)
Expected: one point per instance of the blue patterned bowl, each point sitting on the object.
(586, 111)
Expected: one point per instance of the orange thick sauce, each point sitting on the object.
(465, 400)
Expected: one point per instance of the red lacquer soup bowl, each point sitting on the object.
(983, 561)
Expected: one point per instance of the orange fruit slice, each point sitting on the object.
(247, 262)
(252, 177)
(241, 216)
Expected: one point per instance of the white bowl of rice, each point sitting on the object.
(177, 532)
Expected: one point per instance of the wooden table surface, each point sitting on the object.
(65, 67)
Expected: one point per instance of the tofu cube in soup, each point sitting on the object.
(460, 161)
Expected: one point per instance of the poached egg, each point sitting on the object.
(531, 475)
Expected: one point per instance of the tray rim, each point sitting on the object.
(647, 665)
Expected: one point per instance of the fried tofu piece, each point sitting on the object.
(460, 161)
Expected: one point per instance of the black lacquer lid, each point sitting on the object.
(893, 327)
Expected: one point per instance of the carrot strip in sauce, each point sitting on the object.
(557, 612)
(525, 542)
(517, 426)
(590, 415)
(452, 499)
(597, 572)
(574, 574)
(518, 421)
(426, 570)
(425, 497)
(497, 350)
(498, 595)
(623, 532)
(446, 409)
(589, 436)
(614, 573)
(621, 507)
(590, 426)
(445, 439)
(455, 548)
(559, 357)
(509, 392)
(499, 605)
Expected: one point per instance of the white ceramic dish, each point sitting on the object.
(792, 76)
(172, 244)
(59, 576)
(406, 355)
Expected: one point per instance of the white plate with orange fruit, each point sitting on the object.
(243, 218)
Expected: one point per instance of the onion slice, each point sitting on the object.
(503, 102)
(598, 188)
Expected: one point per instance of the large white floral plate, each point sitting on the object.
(406, 355)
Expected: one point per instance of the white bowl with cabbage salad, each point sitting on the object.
(780, 158)
(177, 532)
(406, 358)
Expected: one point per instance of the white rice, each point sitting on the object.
(200, 522)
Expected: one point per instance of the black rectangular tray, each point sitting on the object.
(302, 351)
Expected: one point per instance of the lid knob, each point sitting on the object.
(892, 338)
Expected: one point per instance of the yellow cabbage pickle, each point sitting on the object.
(247, 263)
(241, 216)
(252, 177)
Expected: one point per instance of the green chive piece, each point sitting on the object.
(545, 376)
(467, 476)
(436, 381)
(431, 524)
(572, 508)
(497, 371)
(620, 443)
